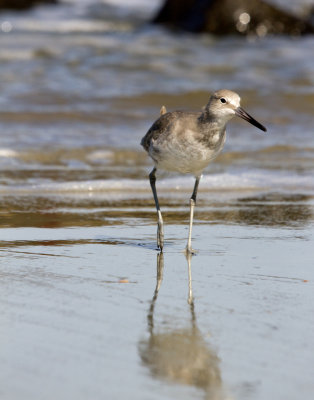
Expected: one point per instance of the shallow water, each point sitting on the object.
(80, 313)
(81, 316)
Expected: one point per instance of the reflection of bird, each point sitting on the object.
(187, 142)
(181, 355)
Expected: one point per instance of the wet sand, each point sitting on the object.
(88, 310)
(93, 312)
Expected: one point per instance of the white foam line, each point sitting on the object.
(255, 180)
(8, 153)
(72, 26)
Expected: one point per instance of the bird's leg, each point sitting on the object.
(188, 248)
(160, 224)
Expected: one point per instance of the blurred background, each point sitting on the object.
(83, 80)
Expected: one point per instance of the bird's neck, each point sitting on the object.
(208, 118)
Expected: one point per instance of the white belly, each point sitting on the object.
(185, 155)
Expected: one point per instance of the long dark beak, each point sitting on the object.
(244, 115)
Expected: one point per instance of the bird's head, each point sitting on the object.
(225, 104)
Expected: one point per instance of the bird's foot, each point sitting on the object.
(189, 251)
(160, 235)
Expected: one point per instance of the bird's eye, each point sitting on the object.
(223, 100)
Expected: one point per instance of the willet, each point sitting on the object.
(186, 142)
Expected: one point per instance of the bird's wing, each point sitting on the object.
(160, 127)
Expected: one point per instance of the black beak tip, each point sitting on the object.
(247, 117)
(263, 128)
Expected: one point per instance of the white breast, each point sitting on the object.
(183, 154)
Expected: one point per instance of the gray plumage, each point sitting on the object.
(186, 142)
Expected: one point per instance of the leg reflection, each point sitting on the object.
(160, 272)
(188, 257)
(180, 355)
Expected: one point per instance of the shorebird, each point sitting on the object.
(186, 142)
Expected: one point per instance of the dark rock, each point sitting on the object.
(225, 17)
(22, 4)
